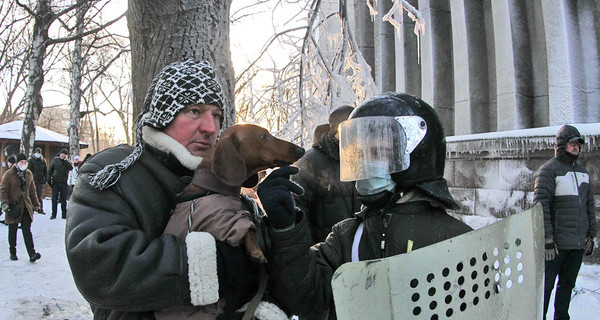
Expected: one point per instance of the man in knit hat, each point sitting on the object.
(58, 173)
(562, 186)
(123, 197)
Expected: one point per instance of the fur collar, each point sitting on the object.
(165, 143)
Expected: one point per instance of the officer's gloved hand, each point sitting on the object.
(551, 250)
(589, 245)
(5, 207)
(275, 195)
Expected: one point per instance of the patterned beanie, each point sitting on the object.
(177, 86)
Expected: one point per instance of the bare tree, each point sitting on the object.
(13, 59)
(163, 31)
(44, 14)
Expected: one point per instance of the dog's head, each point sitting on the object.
(243, 150)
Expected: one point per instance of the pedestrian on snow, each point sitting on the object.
(18, 186)
(402, 200)
(73, 174)
(58, 174)
(120, 259)
(563, 188)
(10, 161)
(37, 165)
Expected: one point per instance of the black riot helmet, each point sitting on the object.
(424, 146)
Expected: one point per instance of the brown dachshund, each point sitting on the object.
(242, 151)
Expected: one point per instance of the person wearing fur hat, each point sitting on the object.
(17, 186)
(37, 165)
(563, 188)
(120, 259)
(58, 174)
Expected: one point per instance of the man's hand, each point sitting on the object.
(551, 250)
(5, 207)
(589, 245)
(274, 194)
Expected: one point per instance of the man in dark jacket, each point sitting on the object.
(563, 188)
(58, 173)
(121, 261)
(398, 166)
(326, 200)
(37, 166)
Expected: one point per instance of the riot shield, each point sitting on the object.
(496, 272)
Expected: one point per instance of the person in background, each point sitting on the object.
(73, 174)
(10, 161)
(563, 187)
(402, 200)
(326, 200)
(58, 172)
(121, 260)
(37, 166)
(18, 185)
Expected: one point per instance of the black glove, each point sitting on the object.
(551, 250)
(274, 194)
(589, 246)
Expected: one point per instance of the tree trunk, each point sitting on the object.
(76, 92)
(33, 96)
(163, 31)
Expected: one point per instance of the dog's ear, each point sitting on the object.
(227, 164)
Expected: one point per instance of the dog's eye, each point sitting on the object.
(265, 136)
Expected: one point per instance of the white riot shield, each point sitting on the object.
(496, 272)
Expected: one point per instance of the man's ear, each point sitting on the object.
(227, 164)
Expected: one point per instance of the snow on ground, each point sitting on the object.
(45, 289)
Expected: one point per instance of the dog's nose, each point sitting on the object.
(299, 152)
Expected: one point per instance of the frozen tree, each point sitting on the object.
(44, 13)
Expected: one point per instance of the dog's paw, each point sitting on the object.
(257, 256)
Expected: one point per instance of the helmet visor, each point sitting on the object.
(377, 146)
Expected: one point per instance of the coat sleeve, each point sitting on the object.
(591, 207)
(300, 275)
(119, 257)
(32, 194)
(543, 193)
(305, 179)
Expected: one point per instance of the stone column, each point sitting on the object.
(514, 78)
(364, 33)
(563, 76)
(437, 80)
(385, 77)
(470, 67)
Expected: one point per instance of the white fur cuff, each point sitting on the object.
(202, 268)
(269, 311)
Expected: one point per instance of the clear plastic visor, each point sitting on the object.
(377, 146)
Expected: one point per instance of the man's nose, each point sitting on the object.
(209, 124)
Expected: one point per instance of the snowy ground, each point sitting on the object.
(45, 289)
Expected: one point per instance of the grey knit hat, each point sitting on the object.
(177, 86)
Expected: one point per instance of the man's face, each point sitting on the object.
(573, 147)
(63, 156)
(196, 127)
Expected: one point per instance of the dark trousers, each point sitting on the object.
(27, 236)
(59, 192)
(566, 266)
(39, 190)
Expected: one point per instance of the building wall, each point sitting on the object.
(490, 66)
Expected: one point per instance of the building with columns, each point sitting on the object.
(503, 75)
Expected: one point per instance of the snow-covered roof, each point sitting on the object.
(13, 130)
